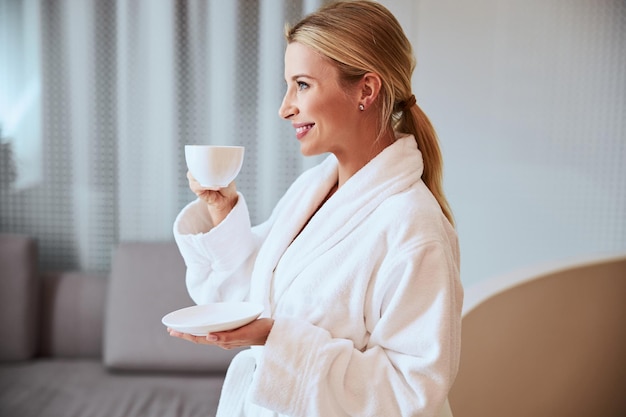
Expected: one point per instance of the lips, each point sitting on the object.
(302, 129)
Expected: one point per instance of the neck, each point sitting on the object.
(350, 163)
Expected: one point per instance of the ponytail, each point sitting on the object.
(415, 121)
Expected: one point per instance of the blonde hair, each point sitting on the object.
(363, 36)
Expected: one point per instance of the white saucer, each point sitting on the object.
(216, 317)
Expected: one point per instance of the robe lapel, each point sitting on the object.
(392, 171)
(291, 215)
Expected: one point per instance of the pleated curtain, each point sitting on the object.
(120, 88)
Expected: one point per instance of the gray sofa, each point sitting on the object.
(85, 344)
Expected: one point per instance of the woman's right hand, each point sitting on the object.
(219, 202)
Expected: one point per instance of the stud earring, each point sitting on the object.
(361, 107)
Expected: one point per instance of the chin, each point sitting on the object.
(308, 151)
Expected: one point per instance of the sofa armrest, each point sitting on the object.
(72, 316)
(18, 297)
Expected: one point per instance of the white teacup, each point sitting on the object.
(214, 167)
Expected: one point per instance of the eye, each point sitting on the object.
(302, 85)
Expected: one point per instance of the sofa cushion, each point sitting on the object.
(18, 297)
(148, 281)
(72, 314)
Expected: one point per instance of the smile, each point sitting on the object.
(302, 130)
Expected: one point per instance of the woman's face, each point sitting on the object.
(322, 111)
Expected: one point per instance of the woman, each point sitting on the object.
(358, 265)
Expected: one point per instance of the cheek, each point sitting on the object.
(329, 110)
(315, 106)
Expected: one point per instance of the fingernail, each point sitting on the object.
(211, 338)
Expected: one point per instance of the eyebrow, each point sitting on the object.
(295, 77)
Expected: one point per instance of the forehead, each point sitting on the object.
(303, 60)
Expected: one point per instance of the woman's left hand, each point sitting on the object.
(254, 333)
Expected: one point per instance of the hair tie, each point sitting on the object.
(409, 103)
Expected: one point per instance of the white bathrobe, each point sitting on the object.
(366, 299)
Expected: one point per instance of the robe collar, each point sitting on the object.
(392, 171)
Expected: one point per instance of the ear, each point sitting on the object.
(370, 87)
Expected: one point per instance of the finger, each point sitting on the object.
(192, 181)
(174, 333)
(224, 340)
(180, 335)
(254, 333)
(194, 185)
(190, 338)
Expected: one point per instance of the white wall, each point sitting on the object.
(529, 100)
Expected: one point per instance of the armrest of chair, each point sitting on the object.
(19, 297)
(72, 314)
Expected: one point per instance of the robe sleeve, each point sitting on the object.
(219, 261)
(408, 365)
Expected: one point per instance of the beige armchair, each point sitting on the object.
(547, 341)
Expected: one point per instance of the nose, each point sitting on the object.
(287, 109)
